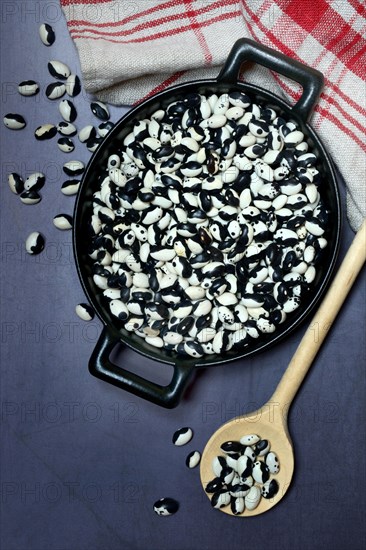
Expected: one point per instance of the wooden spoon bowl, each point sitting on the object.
(270, 421)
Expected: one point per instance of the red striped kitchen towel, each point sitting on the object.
(131, 49)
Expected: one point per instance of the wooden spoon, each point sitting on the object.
(270, 421)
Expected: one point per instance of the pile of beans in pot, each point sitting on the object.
(207, 224)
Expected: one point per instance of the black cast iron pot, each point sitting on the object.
(243, 51)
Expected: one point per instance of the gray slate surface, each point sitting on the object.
(83, 462)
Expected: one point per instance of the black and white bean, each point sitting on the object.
(272, 463)
(84, 311)
(67, 110)
(166, 506)
(62, 221)
(182, 436)
(70, 187)
(14, 121)
(35, 181)
(73, 168)
(55, 90)
(47, 34)
(35, 243)
(66, 129)
(30, 197)
(73, 85)
(58, 69)
(93, 144)
(252, 499)
(193, 459)
(269, 489)
(104, 128)
(87, 133)
(46, 131)
(28, 88)
(65, 144)
(100, 110)
(16, 183)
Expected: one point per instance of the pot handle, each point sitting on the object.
(245, 50)
(101, 366)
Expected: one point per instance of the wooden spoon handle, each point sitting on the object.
(322, 321)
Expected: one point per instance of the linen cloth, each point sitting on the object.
(130, 50)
